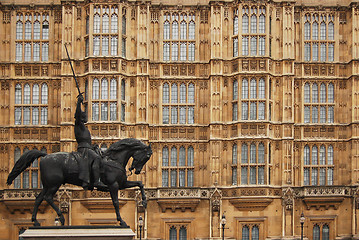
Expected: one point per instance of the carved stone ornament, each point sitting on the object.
(216, 197)
(288, 198)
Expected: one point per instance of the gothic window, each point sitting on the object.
(105, 31)
(177, 232)
(253, 99)
(253, 31)
(252, 164)
(27, 104)
(29, 45)
(179, 27)
(178, 107)
(319, 37)
(318, 103)
(250, 232)
(30, 178)
(178, 166)
(318, 165)
(104, 99)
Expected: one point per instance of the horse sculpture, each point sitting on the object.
(60, 168)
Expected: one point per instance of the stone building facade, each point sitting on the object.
(251, 108)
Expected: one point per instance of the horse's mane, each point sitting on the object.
(125, 144)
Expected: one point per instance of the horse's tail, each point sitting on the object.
(24, 162)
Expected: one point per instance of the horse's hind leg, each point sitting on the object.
(49, 197)
(130, 184)
(38, 201)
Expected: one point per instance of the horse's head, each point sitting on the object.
(140, 157)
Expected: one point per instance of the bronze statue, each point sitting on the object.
(90, 159)
(60, 168)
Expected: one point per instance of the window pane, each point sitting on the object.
(35, 115)
(244, 175)
(173, 156)
(316, 232)
(190, 156)
(262, 23)
(306, 114)
(306, 176)
(189, 178)
(253, 175)
(325, 233)
(18, 53)
(260, 175)
(314, 176)
(174, 93)
(253, 46)
(191, 93)
(96, 24)
(253, 89)
(104, 111)
(104, 89)
(45, 30)
(25, 180)
(166, 30)
(315, 31)
(315, 52)
(245, 23)
(183, 34)
(330, 114)
(245, 233)
(19, 27)
(307, 93)
(253, 113)
(183, 233)
(315, 114)
(114, 23)
(173, 233)
(323, 114)
(190, 115)
(234, 176)
(330, 176)
(244, 110)
(234, 154)
(45, 52)
(105, 46)
(235, 25)
(331, 31)
(253, 152)
(262, 47)
(307, 52)
(261, 153)
(36, 51)
(234, 112)
(95, 89)
(323, 52)
(18, 116)
(322, 176)
(323, 31)
(323, 93)
(173, 178)
(26, 116)
(28, 29)
(306, 155)
(164, 178)
(113, 111)
(191, 30)
(174, 52)
(182, 178)
(261, 111)
(331, 52)
(96, 46)
(182, 157)
(114, 46)
(165, 156)
(44, 115)
(245, 46)
(27, 94)
(331, 93)
(315, 155)
(235, 47)
(27, 52)
(105, 23)
(36, 30)
(175, 30)
(95, 112)
(183, 93)
(255, 233)
(123, 112)
(244, 153)
(34, 179)
(253, 23)
(113, 89)
(174, 115)
(330, 155)
(165, 115)
(191, 51)
(245, 89)
(307, 31)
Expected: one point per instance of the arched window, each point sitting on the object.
(123, 90)
(182, 156)
(165, 93)
(35, 94)
(114, 23)
(330, 155)
(245, 232)
(45, 30)
(245, 23)
(262, 23)
(113, 89)
(315, 93)
(36, 30)
(306, 155)
(183, 233)
(183, 93)
(19, 29)
(331, 93)
(18, 94)
(190, 156)
(314, 155)
(254, 23)
(27, 94)
(191, 30)
(191, 93)
(255, 233)
(183, 34)
(166, 30)
(307, 31)
(253, 89)
(316, 232)
(325, 232)
(174, 93)
(105, 23)
(244, 89)
(95, 89)
(124, 23)
(165, 156)
(173, 156)
(96, 23)
(234, 154)
(235, 90)
(175, 30)
(104, 89)
(261, 153)
(244, 156)
(322, 155)
(307, 93)
(253, 150)
(44, 93)
(173, 233)
(261, 88)
(323, 31)
(331, 31)
(315, 31)
(28, 30)
(323, 93)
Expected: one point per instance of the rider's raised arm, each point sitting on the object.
(78, 109)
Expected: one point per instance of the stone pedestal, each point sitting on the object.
(78, 233)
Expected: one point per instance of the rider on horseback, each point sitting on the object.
(90, 159)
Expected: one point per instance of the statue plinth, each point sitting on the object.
(78, 233)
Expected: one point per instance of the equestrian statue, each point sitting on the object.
(89, 167)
